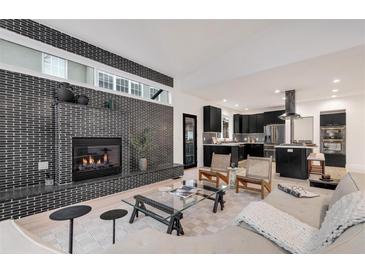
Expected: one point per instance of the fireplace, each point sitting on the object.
(95, 157)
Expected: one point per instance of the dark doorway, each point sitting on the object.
(189, 135)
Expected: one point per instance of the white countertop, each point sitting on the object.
(234, 144)
(292, 146)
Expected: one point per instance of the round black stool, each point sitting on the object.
(113, 215)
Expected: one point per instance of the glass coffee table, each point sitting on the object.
(166, 204)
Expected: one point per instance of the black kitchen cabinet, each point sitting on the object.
(241, 153)
(212, 119)
(259, 123)
(333, 119)
(256, 150)
(255, 123)
(337, 160)
(240, 123)
(244, 123)
(220, 149)
(252, 123)
(272, 117)
(292, 162)
(237, 123)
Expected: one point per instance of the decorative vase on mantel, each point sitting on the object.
(143, 164)
(142, 143)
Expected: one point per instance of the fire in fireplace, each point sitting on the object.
(95, 157)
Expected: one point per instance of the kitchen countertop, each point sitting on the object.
(294, 146)
(234, 144)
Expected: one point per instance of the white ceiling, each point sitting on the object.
(243, 61)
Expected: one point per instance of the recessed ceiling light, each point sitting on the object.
(277, 91)
(236, 105)
(283, 98)
(334, 96)
(224, 100)
(336, 81)
(335, 90)
(246, 108)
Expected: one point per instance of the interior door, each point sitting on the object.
(189, 137)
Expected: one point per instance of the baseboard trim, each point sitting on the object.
(355, 168)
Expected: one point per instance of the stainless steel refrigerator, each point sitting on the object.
(274, 135)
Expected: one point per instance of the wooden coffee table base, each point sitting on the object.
(175, 220)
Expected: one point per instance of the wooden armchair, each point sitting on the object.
(258, 173)
(218, 170)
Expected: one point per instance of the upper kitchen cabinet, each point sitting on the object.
(333, 119)
(256, 123)
(240, 123)
(252, 123)
(237, 123)
(212, 119)
(272, 117)
(260, 123)
(244, 122)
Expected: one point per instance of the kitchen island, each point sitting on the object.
(291, 160)
(238, 151)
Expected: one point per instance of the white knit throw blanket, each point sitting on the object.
(298, 237)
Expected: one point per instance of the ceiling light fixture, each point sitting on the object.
(284, 98)
(224, 100)
(236, 105)
(334, 96)
(336, 81)
(335, 90)
(277, 91)
(246, 108)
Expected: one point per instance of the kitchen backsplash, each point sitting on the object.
(207, 137)
(237, 137)
(245, 137)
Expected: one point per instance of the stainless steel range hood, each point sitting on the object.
(290, 113)
(290, 106)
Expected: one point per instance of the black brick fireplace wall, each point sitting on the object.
(27, 127)
(33, 129)
(28, 135)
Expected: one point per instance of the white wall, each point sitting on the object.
(185, 103)
(355, 125)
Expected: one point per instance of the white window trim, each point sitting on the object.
(67, 56)
(159, 96)
(123, 79)
(108, 74)
(66, 65)
(136, 83)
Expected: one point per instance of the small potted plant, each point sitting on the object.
(142, 144)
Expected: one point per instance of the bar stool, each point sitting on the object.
(316, 169)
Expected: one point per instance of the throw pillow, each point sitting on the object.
(346, 186)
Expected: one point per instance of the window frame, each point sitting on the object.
(123, 79)
(159, 96)
(52, 56)
(137, 83)
(108, 74)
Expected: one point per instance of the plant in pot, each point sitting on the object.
(142, 144)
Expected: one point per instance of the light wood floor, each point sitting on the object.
(92, 235)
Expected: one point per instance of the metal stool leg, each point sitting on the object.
(113, 231)
(70, 236)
